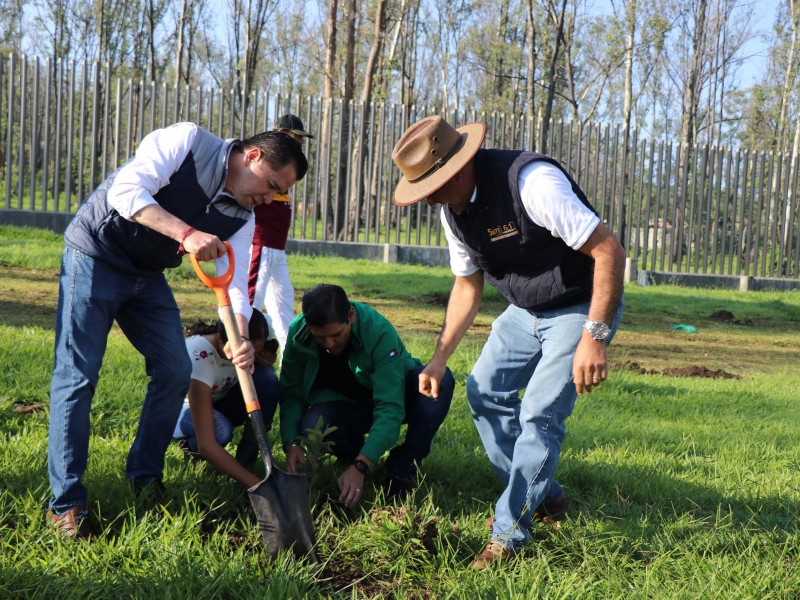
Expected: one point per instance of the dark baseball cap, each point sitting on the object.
(293, 124)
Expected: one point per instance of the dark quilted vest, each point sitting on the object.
(99, 231)
(530, 267)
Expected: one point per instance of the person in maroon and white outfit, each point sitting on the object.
(269, 285)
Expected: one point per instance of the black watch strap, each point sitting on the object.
(360, 465)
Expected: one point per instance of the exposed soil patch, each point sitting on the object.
(437, 299)
(699, 371)
(691, 371)
(727, 316)
(28, 408)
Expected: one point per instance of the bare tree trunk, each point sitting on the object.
(392, 51)
(627, 110)
(347, 106)
(789, 77)
(151, 28)
(99, 8)
(378, 34)
(325, 181)
(788, 216)
(502, 32)
(358, 163)
(410, 56)
(551, 75)
(627, 93)
(690, 108)
(256, 18)
(444, 64)
(530, 85)
(691, 93)
(179, 52)
(566, 42)
(378, 125)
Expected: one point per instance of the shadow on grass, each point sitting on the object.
(29, 310)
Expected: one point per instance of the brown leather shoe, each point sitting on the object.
(550, 513)
(72, 524)
(495, 552)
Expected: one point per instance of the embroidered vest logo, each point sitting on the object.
(501, 232)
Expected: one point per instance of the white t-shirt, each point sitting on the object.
(157, 158)
(549, 202)
(210, 367)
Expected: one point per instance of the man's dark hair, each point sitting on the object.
(256, 330)
(326, 304)
(279, 150)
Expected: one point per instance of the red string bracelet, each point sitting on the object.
(181, 249)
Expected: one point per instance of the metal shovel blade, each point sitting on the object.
(281, 499)
(281, 505)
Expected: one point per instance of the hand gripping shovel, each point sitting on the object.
(281, 499)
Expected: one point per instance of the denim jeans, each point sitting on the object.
(91, 296)
(522, 437)
(184, 428)
(266, 385)
(353, 420)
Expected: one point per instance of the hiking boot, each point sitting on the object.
(494, 552)
(549, 513)
(74, 523)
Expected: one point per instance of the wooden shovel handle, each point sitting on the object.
(219, 285)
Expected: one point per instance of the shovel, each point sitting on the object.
(280, 500)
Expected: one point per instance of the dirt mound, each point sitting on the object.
(727, 316)
(692, 371)
(699, 371)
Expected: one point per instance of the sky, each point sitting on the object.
(765, 15)
(755, 49)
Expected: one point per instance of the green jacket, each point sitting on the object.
(378, 360)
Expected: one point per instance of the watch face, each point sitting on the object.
(599, 331)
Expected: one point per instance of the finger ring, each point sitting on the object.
(358, 490)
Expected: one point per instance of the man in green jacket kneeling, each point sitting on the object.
(344, 363)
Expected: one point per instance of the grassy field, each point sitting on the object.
(680, 486)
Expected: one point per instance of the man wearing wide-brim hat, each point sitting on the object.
(519, 221)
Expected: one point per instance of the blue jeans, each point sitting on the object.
(184, 428)
(91, 296)
(265, 382)
(353, 421)
(522, 437)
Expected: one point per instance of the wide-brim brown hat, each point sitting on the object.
(430, 153)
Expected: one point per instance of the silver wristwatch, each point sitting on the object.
(599, 331)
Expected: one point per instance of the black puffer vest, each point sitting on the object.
(191, 195)
(530, 267)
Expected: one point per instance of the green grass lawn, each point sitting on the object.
(680, 487)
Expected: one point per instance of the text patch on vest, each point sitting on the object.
(502, 232)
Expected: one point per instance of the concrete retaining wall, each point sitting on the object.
(439, 257)
(54, 221)
(388, 253)
(729, 282)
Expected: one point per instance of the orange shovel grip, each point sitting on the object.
(219, 285)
